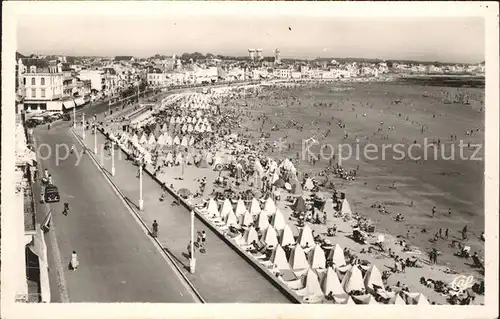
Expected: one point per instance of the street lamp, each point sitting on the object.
(83, 127)
(192, 260)
(95, 139)
(112, 158)
(141, 202)
(74, 117)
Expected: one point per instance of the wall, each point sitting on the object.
(53, 86)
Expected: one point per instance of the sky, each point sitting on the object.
(445, 39)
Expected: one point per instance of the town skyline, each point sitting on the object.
(299, 37)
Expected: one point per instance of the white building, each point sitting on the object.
(282, 73)
(40, 84)
(94, 76)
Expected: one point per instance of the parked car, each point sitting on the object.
(66, 117)
(51, 194)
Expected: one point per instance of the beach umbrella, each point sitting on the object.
(300, 205)
(279, 183)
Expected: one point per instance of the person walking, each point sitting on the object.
(464, 233)
(440, 233)
(446, 233)
(74, 261)
(155, 229)
(433, 211)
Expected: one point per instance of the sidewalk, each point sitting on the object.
(221, 274)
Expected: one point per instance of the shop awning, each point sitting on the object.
(69, 104)
(79, 101)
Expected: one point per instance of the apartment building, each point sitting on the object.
(40, 84)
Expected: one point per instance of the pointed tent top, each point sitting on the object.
(305, 237)
(298, 258)
(331, 283)
(337, 256)
(246, 219)
(299, 205)
(255, 206)
(346, 209)
(287, 236)
(227, 208)
(398, 300)
(278, 221)
(240, 208)
(278, 258)
(270, 237)
(373, 277)
(251, 235)
(317, 258)
(262, 221)
(312, 286)
(269, 206)
(353, 280)
(231, 219)
(212, 207)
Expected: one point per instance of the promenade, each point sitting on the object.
(221, 274)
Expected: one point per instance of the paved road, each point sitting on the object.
(221, 274)
(118, 261)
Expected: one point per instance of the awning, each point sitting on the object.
(69, 104)
(79, 101)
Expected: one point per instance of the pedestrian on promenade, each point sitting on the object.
(433, 211)
(155, 229)
(446, 233)
(74, 261)
(440, 233)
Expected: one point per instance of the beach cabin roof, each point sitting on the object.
(212, 208)
(373, 277)
(305, 237)
(269, 206)
(251, 235)
(278, 258)
(230, 219)
(312, 286)
(246, 219)
(331, 283)
(227, 208)
(353, 280)
(337, 256)
(270, 238)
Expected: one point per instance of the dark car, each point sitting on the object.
(51, 194)
(66, 117)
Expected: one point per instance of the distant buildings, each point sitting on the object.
(251, 54)
(259, 56)
(277, 56)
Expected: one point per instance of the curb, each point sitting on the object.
(132, 208)
(279, 285)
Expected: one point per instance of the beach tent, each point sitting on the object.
(172, 120)
(317, 258)
(269, 206)
(398, 300)
(184, 128)
(190, 128)
(168, 140)
(373, 278)
(134, 140)
(308, 185)
(300, 205)
(151, 140)
(365, 299)
(270, 238)
(208, 128)
(346, 209)
(240, 208)
(161, 139)
(353, 280)
(250, 236)
(258, 167)
(246, 219)
(143, 139)
(212, 208)
(191, 141)
(178, 159)
(416, 298)
(189, 159)
(262, 221)
(230, 219)
(278, 258)
(184, 141)
(328, 207)
(287, 236)
(178, 120)
(278, 221)
(203, 162)
(169, 159)
(202, 128)
(305, 237)
(331, 283)
(298, 258)
(227, 208)
(176, 141)
(312, 286)
(164, 127)
(337, 256)
(255, 207)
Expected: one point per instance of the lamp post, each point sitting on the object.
(141, 202)
(95, 139)
(74, 117)
(83, 127)
(192, 260)
(112, 158)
